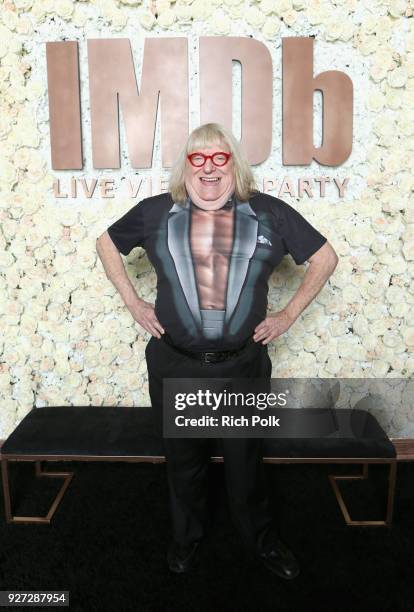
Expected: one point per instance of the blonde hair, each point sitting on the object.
(205, 135)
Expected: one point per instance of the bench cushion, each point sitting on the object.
(129, 431)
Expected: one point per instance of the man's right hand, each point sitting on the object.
(144, 314)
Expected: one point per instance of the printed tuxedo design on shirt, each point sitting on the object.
(264, 230)
(244, 239)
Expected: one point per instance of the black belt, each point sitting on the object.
(207, 356)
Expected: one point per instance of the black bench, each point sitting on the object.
(96, 433)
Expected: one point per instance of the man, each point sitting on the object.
(214, 240)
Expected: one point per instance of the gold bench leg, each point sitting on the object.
(390, 501)
(10, 518)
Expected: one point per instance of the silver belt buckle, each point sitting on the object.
(206, 359)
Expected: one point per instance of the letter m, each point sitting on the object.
(112, 83)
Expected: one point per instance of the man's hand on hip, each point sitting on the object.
(273, 326)
(144, 314)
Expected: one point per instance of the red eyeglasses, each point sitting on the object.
(220, 158)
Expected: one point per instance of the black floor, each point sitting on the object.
(107, 542)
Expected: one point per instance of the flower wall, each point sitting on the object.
(66, 336)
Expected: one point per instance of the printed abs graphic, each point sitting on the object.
(211, 239)
(211, 252)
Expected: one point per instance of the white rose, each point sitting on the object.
(379, 368)
(347, 30)
(22, 157)
(67, 216)
(289, 17)
(73, 380)
(378, 246)
(119, 19)
(64, 8)
(124, 353)
(271, 27)
(26, 133)
(369, 24)
(112, 327)
(268, 6)
(374, 311)
(408, 336)
(311, 343)
(128, 334)
(162, 5)
(166, 18)
(36, 171)
(375, 101)
(397, 77)
(106, 357)
(23, 5)
(384, 126)
(393, 99)
(80, 17)
(8, 174)
(371, 342)
(254, 17)
(378, 72)
(236, 12)
(220, 24)
(82, 398)
(391, 339)
(63, 263)
(379, 327)
(333, 365)
(100, 373)
(366, 44)
(48, 5)
(46, 364)
(200, 10)
(408, 247)
(396, 8)
(406, 119)
(11, 356)
(333, 29)
(183, 13)
(86, 258)
(337, 328)
(399, 310)
(38, 13)
(9, 18)
(147, 20)
(384, 28)
(6, 259)
(395, 294)
(282, 6)
(315, 15)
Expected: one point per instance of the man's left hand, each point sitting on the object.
(273, 326)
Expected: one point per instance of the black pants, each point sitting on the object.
(188, 458)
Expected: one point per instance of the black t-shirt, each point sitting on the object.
(265, 229)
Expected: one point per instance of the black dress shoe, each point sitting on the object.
(181, 560)
(281, 561)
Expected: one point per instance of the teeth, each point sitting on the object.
(210, 180)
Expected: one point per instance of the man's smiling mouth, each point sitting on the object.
(214, 179)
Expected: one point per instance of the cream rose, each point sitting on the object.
(166, 18)
(397, 77)
(147, 20)
(254, 17)
(271, 27)
(267, 6)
